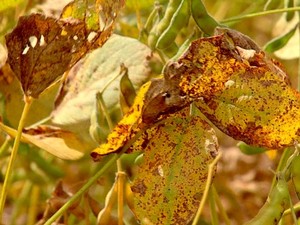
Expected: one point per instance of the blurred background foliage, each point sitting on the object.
(42, 182)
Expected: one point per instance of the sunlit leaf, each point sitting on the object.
(149, 107)
(40, 49)
(127, 128)
(61, 143)
(169, 183)
(242, 91)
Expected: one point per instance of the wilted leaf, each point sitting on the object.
(77, 98)
(61, 143)
(41, 49)
(239, 89)
(169, 183)
(149, 106)
(127, 128)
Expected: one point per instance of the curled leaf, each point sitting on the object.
(61, 143)
(152, 100)
(126, 128)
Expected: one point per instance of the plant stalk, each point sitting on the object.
(263, 13)
(82, 190)
(8, 175)
(207, 187)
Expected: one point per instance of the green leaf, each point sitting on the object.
(250, 150)
(279, 42)
(169, 183)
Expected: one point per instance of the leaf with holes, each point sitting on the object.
(41, 49)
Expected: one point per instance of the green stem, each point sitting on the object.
(82, 190)
(28, 102)
(212, 206)
(222, 211)
(33, 207)
(93, 179)
(207, 187)
(4, 146)
(119, 164)
(264, 13)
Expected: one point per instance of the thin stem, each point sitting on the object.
(207, 187)
(263, 13)
(4, 146)
(212, 206)
(101, 101)
(22, 199)
(220, 206)
(119, 164)
(28, 102)
(289, 211)
(33, 208)
(93, 179)
(82, 190)
(121, 180)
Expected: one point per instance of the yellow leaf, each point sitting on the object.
(126, 128)
(238, 88)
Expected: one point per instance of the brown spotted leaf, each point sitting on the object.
(150, 100)
(171, 179)
(239, 89)
(41, 49)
